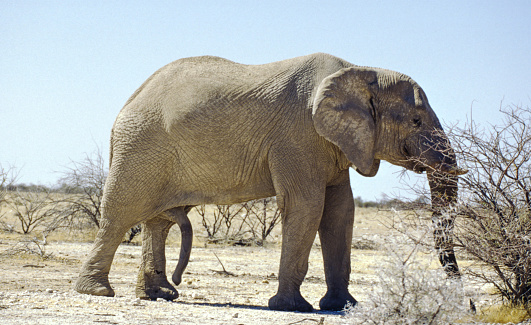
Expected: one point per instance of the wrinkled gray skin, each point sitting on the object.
(207, 130)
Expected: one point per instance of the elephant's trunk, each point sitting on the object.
(431, 152)
(186, 248)
(443, 188)
(438, 159)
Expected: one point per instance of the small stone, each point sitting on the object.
(265, 281)
(49, 290)
(197, 295)
(235, 315)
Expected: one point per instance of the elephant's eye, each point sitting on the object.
(417, 122)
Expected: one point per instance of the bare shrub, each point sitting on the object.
(495, 204)
(8, 177)
(224, 224)
(240, 224)
(261, 217)
(131, 234)
(31, 246)
(82, 183)
(364, 243)
(408, 291)
(32, 208)
(212, 224)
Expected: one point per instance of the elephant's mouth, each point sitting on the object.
(416, 166)
(419, 170)
(410, 162)
(420, 165)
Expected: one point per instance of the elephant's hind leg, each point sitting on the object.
(152, 282)
(94, 276)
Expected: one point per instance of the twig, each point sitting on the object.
(224, 270)
(33, 265)
(319, 322)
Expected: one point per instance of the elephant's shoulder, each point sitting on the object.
(197, 62)
(325, 59)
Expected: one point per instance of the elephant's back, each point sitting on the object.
(196, 73)
(193, 96)
(206, 86)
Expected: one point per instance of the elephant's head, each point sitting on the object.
(374, 114)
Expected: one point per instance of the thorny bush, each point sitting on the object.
(492, 217)
(408, 291)
(495, 203)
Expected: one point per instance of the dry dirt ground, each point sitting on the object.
(34, 290)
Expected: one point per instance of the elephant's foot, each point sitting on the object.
(289, 303)
(164, 290)
(93, 286)
(335, 301)
(154, 293)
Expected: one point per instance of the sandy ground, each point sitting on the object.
(36, 290)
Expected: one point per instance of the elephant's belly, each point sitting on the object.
(221, 176)
(220, 190)
(221, 196)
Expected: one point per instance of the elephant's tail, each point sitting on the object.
(186, 247)
(111, 145)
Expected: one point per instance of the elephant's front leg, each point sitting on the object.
(299, 228)
(152, 282)
(335, 233)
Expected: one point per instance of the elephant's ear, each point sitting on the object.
(344, 115)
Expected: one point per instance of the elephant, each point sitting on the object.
(207, 130)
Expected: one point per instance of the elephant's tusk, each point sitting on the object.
(450, 169)
(458, 171)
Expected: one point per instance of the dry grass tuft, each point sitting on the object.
(503, 314)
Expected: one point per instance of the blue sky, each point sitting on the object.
(67, 67)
